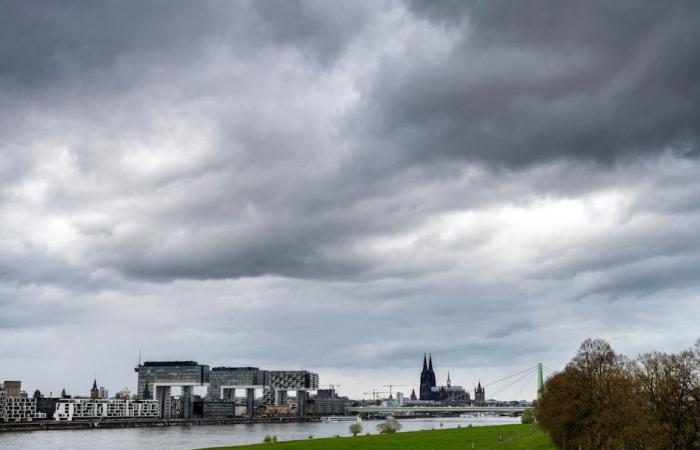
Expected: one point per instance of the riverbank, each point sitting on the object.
(110, 424)
(501, 437)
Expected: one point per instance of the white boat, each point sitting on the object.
(341, 419)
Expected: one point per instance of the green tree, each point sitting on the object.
(390, 426)
(355, 428)
(528, 416)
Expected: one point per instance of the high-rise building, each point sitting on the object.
(104, 393)
(157, 378)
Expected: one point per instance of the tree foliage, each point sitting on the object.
(528, 417)
(602, 400)
(355, 428)
(389, 426)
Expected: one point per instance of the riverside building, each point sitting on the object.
(157, 378)
(88, 409)
(17, 406)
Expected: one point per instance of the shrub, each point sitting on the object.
(355, 429)
(389, 427)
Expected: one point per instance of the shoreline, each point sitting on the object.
(112, 424)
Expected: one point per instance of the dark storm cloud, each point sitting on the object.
(324, 28)
(534, 81)
(46, 42)
(504, 91)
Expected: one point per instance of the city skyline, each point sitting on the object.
(405, 388)
(342, 186)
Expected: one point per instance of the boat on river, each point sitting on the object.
(331, 419)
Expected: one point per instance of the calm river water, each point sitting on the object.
(190, 437)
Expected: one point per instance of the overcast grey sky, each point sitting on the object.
(342, 186)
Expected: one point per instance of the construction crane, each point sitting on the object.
(374, 393)
(391, 386)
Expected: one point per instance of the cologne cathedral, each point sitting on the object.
(445, 394)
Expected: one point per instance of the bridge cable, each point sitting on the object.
(513, 383)
(510, 376)
(516, 381)
(525, 385)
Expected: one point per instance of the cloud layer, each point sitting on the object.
(344, 186)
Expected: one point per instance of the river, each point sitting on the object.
(198, 436)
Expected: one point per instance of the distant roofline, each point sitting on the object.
(216, 369)
(169, 363)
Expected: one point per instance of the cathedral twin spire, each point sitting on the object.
(427, 378)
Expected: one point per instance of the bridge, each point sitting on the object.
(519, 382)
(424, 410)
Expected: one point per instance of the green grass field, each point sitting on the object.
(515, 437)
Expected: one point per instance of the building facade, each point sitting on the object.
(19, 409)
(46, 406)
(447, 394)
(480, 394)
(88, 409)
(329, 406)
(17, 406)
(225, 381)
(156, 378)
(282, 381)
(12, 388)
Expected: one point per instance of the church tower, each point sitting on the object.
(94, 392)
(479, 394)
(425, 380)
(431, 372)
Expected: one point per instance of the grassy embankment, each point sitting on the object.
(515, 437)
